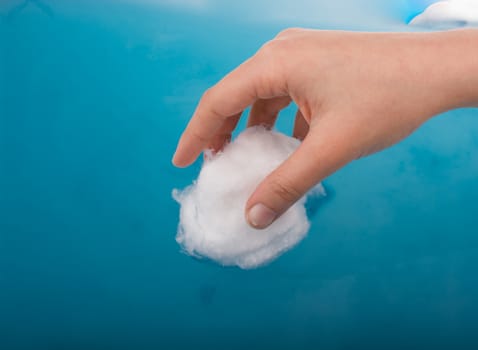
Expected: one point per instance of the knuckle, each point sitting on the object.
(277, 47)
(274, 52)
(285, 190)
(207, 106)
(270, 48)
(198, 136)
(207, 95)
(272, 58)
(288, 31)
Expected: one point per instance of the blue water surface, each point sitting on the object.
(93, 97)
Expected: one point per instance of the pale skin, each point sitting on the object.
(357, 93)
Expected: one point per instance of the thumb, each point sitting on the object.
(319, 155)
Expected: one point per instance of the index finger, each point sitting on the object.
(230, 96)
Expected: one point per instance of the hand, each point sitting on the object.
(357, 93)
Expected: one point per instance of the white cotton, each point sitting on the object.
(449, 14)
(212, 220)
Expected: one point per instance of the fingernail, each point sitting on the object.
(173, 160)
(260, 216)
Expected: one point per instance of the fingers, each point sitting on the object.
(265, 112)
(252, 80)
(223, 136)
(301, 127)
(323, 151)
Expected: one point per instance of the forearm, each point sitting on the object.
(453, 67)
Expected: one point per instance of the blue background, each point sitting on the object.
(93, 98)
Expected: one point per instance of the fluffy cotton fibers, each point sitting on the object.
(212, 220)
(449, 14)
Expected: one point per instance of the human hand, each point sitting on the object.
(357, 93)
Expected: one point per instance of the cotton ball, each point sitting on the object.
(449, 14)
(212, 220)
